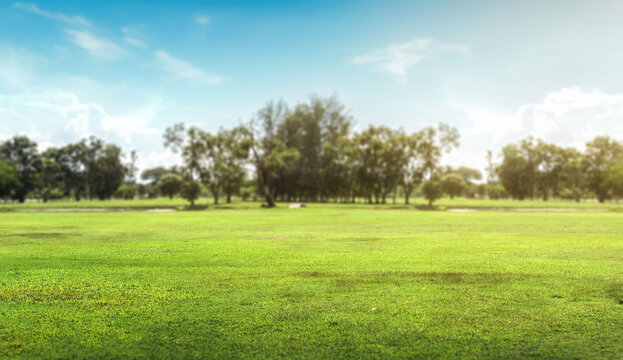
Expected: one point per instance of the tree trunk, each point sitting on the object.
(259, 167)
(407, 196)
(229, 197)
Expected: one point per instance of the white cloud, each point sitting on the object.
(133, 35)
(399, 59)
(164, 158)
(134, 42)
(33, 8)
(97, 47)
(68, 117)
(16, 68)
(568, 117)
(183, 69)
(202, 19)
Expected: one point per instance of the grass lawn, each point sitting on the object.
(321, 282)
(442, 204)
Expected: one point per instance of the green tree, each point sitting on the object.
(432, 190)
(107, 172)
(50, 177)
(517, 171)
(496, 191)
(550, 162)
(71, 159)
(453, 184)
(126, 191)
(318, 130)
(413, 169)
(613, 181)
(230, 152)
(190, 191)
(433, 143)
(601, 153)
(170, 184)
(9, 180)
(469, 175)
(131, 168)
(21, 153)
(573, 177)
(153, 175)
(194, 145)
(268, 153)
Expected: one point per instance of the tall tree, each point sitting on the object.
(453, 184)
(232, 153)
(21, 153)
(170, 184)
(516, 172)
(107, 172)
(132, 167)
(413, 165)
(613, 181)
(268, 153)
(573, 176)
(9, 180)
(433, 143)
(601, 153)
(50, 177)
(152, 175)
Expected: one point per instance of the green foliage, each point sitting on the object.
(170, 184)
(432, 190)
(601, 153)
(50, 178)
(21, 153)
(153, 175)
(469, 175)
(106, 172)
(309, 153)
(517, 170)
(147, 191)
(613, 181)
(56, 194)
(126, 192)
(453, 184)
(190, 191)
(496, 191)
(9, 180)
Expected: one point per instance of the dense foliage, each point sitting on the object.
(310, 153)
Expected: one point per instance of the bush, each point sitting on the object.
(190, 190)
(432, 191)
(247, 192)
(453, 184)
(56, 194)
(496, 192)
(126, 191)
(170, 184)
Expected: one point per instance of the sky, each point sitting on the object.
(499, 71)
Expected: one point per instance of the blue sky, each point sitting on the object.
(497, 70)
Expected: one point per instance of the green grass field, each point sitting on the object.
(445, 203)
(322, 282)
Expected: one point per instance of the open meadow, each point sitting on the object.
(327, 281)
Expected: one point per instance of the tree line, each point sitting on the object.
(310, 152)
